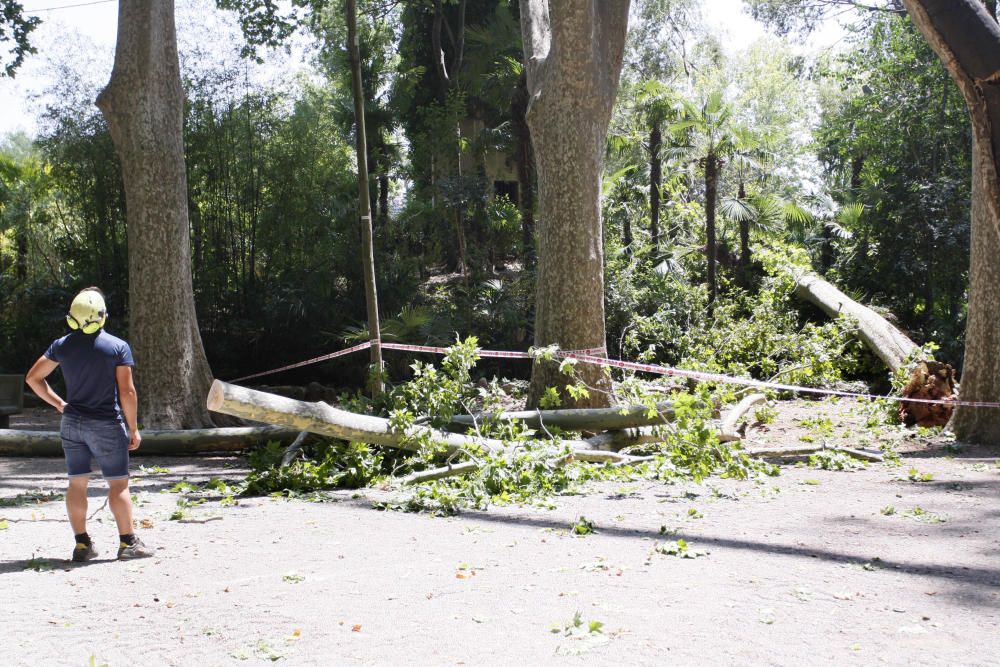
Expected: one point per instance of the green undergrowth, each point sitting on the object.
(530, 466)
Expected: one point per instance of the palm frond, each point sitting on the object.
(738, 210)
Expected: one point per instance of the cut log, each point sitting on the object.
(323, 419)
(588, 419)
(154, 442)
(727, 430)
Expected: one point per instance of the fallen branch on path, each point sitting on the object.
(806, 451)
(468, 467)
(293, 449)
(587, 419)
(727, 430)
(326, 420)
(154, 442)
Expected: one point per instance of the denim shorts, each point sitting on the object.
(85, 439)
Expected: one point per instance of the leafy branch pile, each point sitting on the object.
(532, 464)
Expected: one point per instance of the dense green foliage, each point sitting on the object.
(896, 140)
(858, 162)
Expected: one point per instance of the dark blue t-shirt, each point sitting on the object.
(88, 364)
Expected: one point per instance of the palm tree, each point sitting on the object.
(659, 107)
(823, 220)
(714, 139)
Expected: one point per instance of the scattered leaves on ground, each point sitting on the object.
(583, 526)
(679, 548)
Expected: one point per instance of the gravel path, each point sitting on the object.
(810, 567)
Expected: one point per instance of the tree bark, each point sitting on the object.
(323, 419)
(744, 268)
(655, 179)
(525, 160)
(143, 104)
(573, 53)
(711, 196)
(154, 442)
(364, 203)
(890, 344)
(966, 38)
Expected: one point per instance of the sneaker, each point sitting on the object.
(135, 550)
(83, 552)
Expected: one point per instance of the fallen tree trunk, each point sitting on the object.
(890, 344)
(323, 419)
(154, 442)
(929, 380)
(584, 419)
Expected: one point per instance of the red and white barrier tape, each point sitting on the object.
(589, 357)
(333, 355)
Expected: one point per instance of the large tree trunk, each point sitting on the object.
(143, 104)
(929, 380)
(573, 52)
(655, 179)
(966, 37)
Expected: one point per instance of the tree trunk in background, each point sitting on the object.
(143, 104)
(744, 268)
(826, 252)
(375, 385)
(447, 80)
(573, 52)
(966, 38)
(711, 195)
(21, 263)
(525, 160)
(655, 178)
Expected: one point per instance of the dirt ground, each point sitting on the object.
(871, 566)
